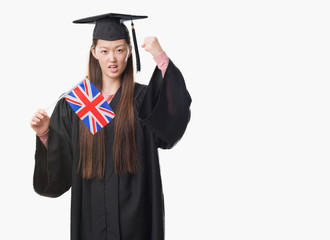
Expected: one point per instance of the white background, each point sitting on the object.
(254, 162)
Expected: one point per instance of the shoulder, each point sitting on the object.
(63, 108)
(139, 91)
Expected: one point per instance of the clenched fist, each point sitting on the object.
(152, 45)
(40, 122)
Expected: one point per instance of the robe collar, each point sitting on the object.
(138, 88)
(115, 100)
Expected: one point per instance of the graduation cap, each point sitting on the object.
(110, 27)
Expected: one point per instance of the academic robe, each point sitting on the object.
(129, 207)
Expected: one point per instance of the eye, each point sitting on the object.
(104, 51)
(120, 50)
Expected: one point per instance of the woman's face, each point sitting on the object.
(112, 57)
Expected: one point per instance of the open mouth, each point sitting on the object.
(113, 68)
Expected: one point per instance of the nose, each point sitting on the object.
(112, 57)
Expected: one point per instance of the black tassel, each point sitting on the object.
(137, 56)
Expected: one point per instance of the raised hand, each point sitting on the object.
(152, 45)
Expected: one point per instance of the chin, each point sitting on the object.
(114, 75)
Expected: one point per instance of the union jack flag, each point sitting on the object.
(90, 106)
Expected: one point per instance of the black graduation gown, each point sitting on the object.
(130, 207)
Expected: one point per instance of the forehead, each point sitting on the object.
(111, 44)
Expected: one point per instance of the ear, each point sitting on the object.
(130, 51)
(93, 52)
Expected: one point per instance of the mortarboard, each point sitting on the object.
(110, 27)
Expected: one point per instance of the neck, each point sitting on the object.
(110, 85)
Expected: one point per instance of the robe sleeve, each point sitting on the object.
(53, 165)
(165, 108)
(44, 138)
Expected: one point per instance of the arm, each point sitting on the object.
(151, 45)
(44, 138)
(162, 62)
(40, 124)
(165, 107)
(53, 165)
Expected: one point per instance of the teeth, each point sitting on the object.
(112, 66)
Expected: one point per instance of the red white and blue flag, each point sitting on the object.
(90, 106)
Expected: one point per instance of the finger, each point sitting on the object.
(37, 116)
(43, 112)
(35, 119)
(35, 123)
(147, 47)
(40, 116)
(144, 43)
(146, 39)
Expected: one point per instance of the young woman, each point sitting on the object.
(114, 175)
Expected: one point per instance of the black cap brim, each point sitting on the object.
(123, 17)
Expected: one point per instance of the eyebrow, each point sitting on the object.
(121, 45)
